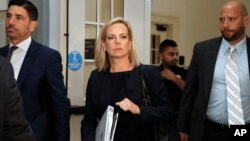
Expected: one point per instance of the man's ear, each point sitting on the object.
(33, 25)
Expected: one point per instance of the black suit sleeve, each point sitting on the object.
(15, 126)
(189, 94)
(58, 97)
(161, 109)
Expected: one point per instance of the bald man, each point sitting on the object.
(203, 114)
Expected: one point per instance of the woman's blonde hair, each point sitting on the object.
(101, 56)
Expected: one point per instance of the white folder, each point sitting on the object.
(105, 129)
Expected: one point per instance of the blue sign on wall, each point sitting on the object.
(75, 61)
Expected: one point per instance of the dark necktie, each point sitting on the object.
(9, 54)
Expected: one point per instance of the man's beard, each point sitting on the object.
(234, 35)
(229, 38)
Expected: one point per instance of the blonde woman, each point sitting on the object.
(117, 82)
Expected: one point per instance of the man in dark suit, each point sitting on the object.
(203, 114)
(38, 71)
(13, 124)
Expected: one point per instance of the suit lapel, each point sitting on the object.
(4, 50)
(210, 63)
(27, 63)
(248, 53)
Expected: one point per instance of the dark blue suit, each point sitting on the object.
(40, 81)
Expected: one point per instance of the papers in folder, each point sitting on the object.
(105, 129)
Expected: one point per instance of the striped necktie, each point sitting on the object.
(235, 110)
(10, 52)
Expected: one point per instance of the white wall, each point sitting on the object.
(172, 12)
(140, 22)
(76, 43)
(41, 34)
(3, 5)
(202, 19)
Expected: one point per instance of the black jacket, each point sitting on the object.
(13, 125)
(104, 90)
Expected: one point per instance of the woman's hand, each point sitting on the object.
(184, 136)
(127, 105)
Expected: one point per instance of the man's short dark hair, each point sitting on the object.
(27, 5)
(167, 43)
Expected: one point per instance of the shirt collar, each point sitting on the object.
(24, 45)
(239, 46)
